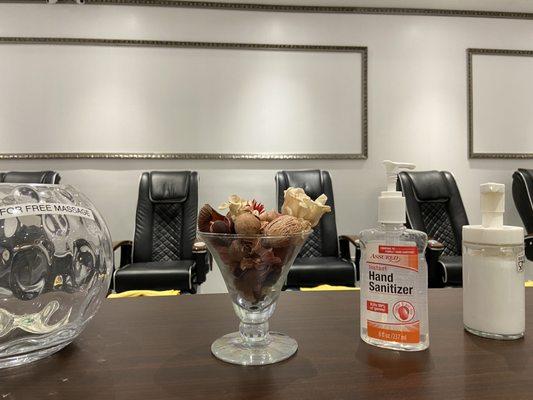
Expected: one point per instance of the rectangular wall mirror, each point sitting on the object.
(102, 98)
(500, 103)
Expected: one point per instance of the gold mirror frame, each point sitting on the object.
(470, 100)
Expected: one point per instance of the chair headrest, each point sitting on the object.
(527, 174)
(429, 185)
(524, 178)
(309, 180)
(31, 177)
(169, 186)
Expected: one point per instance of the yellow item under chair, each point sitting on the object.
(141, 293)
(327, 288)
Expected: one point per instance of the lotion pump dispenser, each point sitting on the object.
(493, 271)
(393, 304)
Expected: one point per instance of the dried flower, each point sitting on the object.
(239, 249)
(248, 263)
(237, 206)
(256, 208)
(298, 204)
(269, 258)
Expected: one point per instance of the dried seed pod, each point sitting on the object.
(247, 224)
(206, 217)
(286, 225)
(230, 223)
(269, 216)
(219, 227)
(263, 225)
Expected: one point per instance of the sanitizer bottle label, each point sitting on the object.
(389, 293)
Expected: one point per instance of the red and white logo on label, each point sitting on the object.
(396, 256)
(403, 311)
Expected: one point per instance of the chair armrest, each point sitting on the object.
(353, 239)
(120, 243)
(344, 250)
(202, 260)
(528, 243)
(436, 271)
(125, 247)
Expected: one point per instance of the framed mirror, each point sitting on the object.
(106, 98)
(500, 103)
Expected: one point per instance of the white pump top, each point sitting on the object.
(391, 203)
(492, 204)
(492, 231)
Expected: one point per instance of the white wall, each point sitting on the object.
(416, 99)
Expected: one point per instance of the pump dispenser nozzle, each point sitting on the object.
(492, 204)
(391, 203)
(492, 231)
(392, 169)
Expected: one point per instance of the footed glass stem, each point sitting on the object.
(276, 347)
(254, 344)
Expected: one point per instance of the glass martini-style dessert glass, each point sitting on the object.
(254, 268)
(254, 250)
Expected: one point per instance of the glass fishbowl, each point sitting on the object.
(56, 262)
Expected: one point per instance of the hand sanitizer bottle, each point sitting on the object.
(493, 271)
(394, 313)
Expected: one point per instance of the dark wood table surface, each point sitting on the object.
(159, 348)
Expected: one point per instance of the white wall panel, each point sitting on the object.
(502, 104)
(112, 99)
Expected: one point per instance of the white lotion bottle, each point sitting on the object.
(493, 271)
(394, 279)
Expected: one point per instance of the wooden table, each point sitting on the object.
(159, 348)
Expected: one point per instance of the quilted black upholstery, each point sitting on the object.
(165, 230)
(523, 198)
(49, 177)
(313, 246)
(434, 206)
(318, 262)
(439, 226)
